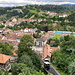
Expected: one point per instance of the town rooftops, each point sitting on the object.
(47, 35)
(13, 36)
(11, 42)
(41, 39)
(7, 31)
(4, 58)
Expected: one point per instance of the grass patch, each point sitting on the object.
(33, 11)
(57, 37)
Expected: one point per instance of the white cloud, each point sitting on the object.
(33, 1)
(4, 3)
(14, 1)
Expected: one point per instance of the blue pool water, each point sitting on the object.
(64, 32)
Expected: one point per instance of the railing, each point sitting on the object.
(6, 67)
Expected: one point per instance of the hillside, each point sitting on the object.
(29, 11)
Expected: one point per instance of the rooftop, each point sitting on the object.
(4, 58)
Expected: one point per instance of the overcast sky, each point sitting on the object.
(23, 2)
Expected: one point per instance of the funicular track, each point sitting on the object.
(48, 68)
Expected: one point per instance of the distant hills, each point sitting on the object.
(67, 4)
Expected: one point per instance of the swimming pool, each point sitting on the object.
(62, 32)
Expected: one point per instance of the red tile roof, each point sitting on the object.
(21, 34)
(4, 58)
(12, 42)
(47, 34)
(41, 39)
(7, 31)
(46, 51)
(54, 49)
(7, 23)
(18, 31)
(13, 36)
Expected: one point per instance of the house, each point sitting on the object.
(4, 62)
(63, 15)
(51, 13)
(37, 49)
(6, 31)
(13, 37)
(26, 30)
(40, 42)
(15, 43)
(21, 34)
(29, 30)
(48, 51)
(47, 35)
(18, 31)
(7, 23)
(13, 59)
(14, 19)
(1, 31)
(39, 20)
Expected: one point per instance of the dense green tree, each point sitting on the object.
(6, 48)
(25, 43)
(66, 38)
(24, 48)
(3, 72)
(4, 22)
(62, 38)
(46, 28)
(65, 56)
(2, 26)
(53, 42)
(21, 68)
(37, 35)
(26, 60)
(37, 73)
(71, 18)
(71, 68)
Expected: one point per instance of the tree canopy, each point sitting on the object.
(64, 58)
(6, 48)
(24, 46)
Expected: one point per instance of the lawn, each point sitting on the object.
(34, 11)
(57, 36)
